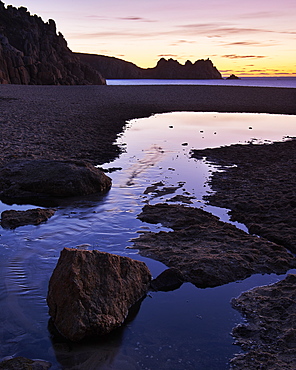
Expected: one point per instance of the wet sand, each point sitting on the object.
(82, 122)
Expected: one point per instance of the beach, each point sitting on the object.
(82, 122)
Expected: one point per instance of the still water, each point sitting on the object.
(185, 329)
(289, 82)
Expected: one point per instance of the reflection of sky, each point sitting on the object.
(253, 37)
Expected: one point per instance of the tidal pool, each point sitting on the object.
(185, 329)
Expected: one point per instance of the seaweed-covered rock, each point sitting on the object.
(90, 292)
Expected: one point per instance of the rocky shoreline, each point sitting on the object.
(83, 122)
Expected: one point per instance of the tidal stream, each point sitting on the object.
(188, 328)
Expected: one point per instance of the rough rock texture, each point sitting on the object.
(11, 219)
(91, 292)
(31, 52)
(260, 191)
(269, 337)
(35, 180)
(22, 363)
(207, 251)
(112, 67)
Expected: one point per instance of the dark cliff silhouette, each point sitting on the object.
(115, 68)
(31, 52)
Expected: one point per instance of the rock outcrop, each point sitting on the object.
(22, 363)
(11, 219)
(259, 190)
(114, 68)
(207, 251)
(35, 181)
(31, 52)
(269, 336)
(91, 292)
(172, 69)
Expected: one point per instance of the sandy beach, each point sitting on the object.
(82, 122)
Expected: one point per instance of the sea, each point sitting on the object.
(289, 82)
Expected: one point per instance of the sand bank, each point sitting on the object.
(82, 122)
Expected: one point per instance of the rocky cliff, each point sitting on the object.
(114, 68)
(31, 52)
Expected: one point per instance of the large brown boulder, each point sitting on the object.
(91, 292)
(32, 181)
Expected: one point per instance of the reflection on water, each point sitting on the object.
(188, 328)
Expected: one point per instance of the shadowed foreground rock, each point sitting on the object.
(11, 219)
(22, 363)
(91, 292)
(31, 181)
(270, 335)
(208, 252)
(259, 190)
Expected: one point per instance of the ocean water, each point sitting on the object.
(188, 328)
(289, 82)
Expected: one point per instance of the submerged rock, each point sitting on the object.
(31, 181)
(207, 251)
(269, 337)
(169, 279)
(11, 219)
(90, 292)
(22, 363)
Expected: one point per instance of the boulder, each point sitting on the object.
(34, 181)
(168, 280)
(11, 219)
(90, 292)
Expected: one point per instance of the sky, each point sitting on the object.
(247, 38)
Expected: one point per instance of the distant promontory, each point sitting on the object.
(115, 68)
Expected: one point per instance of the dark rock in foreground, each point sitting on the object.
(169, 279)
(91, 292)
(11, 219)
(269, 337)
(31, 53)
(208, 252)
(22, 363)
(31, 181)
(260, 190)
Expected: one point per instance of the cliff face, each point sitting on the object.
(31, 52)
(114, 68)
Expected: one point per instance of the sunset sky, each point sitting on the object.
(247, 38)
